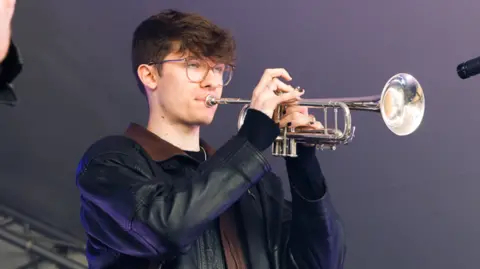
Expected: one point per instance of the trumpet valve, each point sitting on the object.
(323, 147)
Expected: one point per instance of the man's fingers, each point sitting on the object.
(315, 126)
(296, 108)
(277, 73)
(289, 97)
(282, 87)
(297, 119)
(277, 86)
(271, 74)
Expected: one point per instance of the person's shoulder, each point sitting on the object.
(111, 145)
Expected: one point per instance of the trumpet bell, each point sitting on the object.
(402, 104)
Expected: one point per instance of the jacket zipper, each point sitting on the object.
(251, 194)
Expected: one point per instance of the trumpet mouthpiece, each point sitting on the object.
(210, 101)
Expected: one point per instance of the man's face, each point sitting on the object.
(183, 86)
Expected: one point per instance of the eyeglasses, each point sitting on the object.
(197, 69)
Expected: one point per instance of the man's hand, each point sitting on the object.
(7, 7)
(297, 117)
(266, 95)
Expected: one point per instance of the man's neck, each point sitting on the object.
(182, 136)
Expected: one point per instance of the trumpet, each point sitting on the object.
(401, 105)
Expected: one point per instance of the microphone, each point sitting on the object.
(469, 68)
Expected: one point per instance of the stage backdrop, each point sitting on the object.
(407, 202)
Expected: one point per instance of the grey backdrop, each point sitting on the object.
(407, 202)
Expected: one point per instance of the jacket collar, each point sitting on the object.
(157, 148)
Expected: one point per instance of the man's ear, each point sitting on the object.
(147, 74)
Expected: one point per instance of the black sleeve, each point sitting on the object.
(259, 129)
(316, 235)
(305, 174)
(10, 68)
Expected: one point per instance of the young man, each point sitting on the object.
(160, 197)
(10, 63)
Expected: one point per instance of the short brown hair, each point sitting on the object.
(159, 34)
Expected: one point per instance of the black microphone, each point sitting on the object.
(469, 68)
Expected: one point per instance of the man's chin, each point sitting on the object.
(203, 121)
(207, 121)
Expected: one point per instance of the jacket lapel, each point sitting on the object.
(251, 213)
(272, 198)
(261, 211)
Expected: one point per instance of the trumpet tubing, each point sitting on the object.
(401, 105)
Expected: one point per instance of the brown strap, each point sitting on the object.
(231, 241)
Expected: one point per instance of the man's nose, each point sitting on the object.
(211, 81)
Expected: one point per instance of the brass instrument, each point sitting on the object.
(401, 104)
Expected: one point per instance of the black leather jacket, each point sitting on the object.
(146, 204)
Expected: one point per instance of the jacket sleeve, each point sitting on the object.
(135, 209)
(10, 68)
(315, 234)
